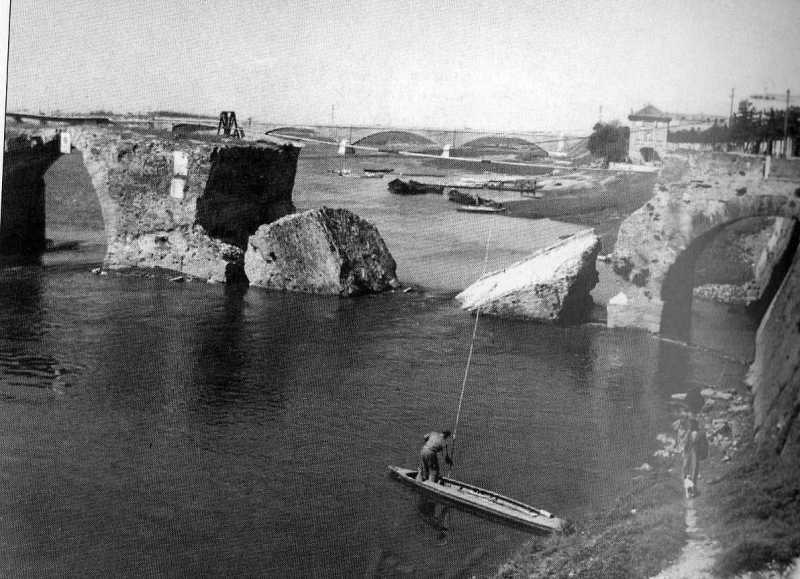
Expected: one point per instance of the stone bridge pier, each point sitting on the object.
(22, 212)
(658, 245)
(182, 205)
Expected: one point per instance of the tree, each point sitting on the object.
(609, 141)
(750, 129)
(714, 135)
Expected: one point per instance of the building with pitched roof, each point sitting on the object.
(648, 138)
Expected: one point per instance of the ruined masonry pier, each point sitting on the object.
(183, 205)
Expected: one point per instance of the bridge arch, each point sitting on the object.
(659, 245)
(397, 140)
(678, 284)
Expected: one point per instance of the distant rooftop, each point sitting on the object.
(649, 113)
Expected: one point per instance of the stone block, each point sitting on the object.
(552, 285)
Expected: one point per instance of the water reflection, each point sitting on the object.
(435, 515)
(673, 367)
(221, 355)
(21, 299)
(24, 361)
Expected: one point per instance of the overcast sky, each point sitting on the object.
(496, 64)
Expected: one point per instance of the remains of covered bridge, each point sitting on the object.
(182, 205)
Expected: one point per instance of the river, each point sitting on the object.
(197, 430)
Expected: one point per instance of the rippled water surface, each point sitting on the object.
(200, 431)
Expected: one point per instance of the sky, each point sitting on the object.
(499, 64)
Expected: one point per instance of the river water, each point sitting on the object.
(202, 431)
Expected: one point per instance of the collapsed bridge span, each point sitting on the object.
(182, 205)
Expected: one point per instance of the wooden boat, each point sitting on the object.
(400, 187)
(483, 501)
(474, 203)
(481, 208)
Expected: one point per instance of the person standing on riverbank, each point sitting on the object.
(435, 442)
(695, 449)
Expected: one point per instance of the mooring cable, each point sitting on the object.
(469, 356)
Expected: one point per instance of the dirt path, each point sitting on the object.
(697, 557)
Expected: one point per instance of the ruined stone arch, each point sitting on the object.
(679, 281)
(658, 245)
(649, 155)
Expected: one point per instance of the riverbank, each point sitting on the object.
(745, 521)
(639, 535)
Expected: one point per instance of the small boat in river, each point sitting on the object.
(483, 501)
(469, 203)
(482, 208)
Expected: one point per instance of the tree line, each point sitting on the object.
(749, 130)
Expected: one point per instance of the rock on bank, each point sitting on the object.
(552, 285)
(327, 251)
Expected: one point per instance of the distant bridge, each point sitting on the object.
(59, 120)
(453, 138)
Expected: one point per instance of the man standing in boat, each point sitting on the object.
(435, 442)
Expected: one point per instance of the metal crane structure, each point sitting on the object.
(228, 125)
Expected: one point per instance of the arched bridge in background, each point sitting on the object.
(391, 138)
(382, 137)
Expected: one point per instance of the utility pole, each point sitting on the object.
(775, 97)
(786, 128)
(730, 116)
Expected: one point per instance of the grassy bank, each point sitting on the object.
(640, 535)
(749, 507)
(755, 509)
